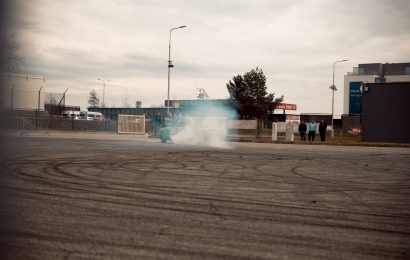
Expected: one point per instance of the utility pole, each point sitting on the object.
(170, 64)
(333, 88)
(38, 107)
(11, 98)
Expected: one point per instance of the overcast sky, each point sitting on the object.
(74, 42)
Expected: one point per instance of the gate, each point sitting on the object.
(131, 124)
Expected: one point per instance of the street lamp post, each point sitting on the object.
(38, 106)
(170, 64)
(11, 98)
(103, 101)
(333, 88)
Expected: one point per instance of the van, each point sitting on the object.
(71, 114)
(85, 115)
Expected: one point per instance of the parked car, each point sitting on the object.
(85, 115)
(71, 114)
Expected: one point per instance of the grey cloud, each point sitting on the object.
(59, 62)
(368, 18)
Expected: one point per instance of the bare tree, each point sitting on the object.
(9, 48)
(93, 100)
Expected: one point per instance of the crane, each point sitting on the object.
(202, 93)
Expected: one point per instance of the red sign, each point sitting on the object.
(286, 106)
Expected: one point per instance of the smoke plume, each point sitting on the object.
(205, 125)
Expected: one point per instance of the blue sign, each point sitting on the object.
(355, 98)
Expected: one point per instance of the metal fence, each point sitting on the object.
(31, 120)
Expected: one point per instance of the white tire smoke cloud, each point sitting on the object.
(208, 126)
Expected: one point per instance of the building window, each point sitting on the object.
(361, 71)
(407, 71)
(380, 80)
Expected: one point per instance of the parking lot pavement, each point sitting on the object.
(122, 197)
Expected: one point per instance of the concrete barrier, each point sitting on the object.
(290, 137)
(274, 132)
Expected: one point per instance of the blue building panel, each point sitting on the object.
(355, 98)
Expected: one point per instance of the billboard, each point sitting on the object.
(355, 98)
(286, 106)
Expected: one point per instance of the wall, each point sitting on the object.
(307, 118)
(386, 116)
(350, 122)
(371, 69)
(396, 68)
(397, 78)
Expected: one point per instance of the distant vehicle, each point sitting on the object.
(71, 114)
(85, 115)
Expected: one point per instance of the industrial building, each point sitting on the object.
(376, 100)
(370, 73)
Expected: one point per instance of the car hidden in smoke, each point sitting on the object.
(210, 131)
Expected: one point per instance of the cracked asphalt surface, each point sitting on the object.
(107, 196)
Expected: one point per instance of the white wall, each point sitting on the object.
(397, 78)
(281, 126)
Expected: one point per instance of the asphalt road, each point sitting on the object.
(127, 197)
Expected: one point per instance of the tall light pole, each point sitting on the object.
(11, 98)
(333, 88)
(38, 106)
(103, 101)
(170, 63)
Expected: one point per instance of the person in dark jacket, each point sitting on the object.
(322, 130)
(302, 131)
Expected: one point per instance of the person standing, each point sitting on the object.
(302, 130)
(322, 130)
(157, 123)
(312, 131)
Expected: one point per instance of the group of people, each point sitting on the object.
(311, 129)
